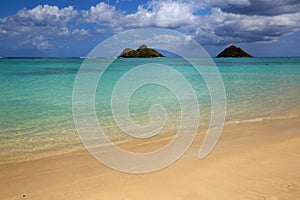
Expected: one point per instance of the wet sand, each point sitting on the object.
(257, 160)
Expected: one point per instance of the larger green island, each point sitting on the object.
(142, 52)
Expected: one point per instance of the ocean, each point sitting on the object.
(36, 117)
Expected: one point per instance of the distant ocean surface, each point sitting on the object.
(36, 117)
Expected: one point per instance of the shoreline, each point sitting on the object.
(252, 160)
(132, 143)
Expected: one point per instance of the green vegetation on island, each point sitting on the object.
(142, 52)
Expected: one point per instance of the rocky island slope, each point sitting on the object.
(234, 51)
(142, 52)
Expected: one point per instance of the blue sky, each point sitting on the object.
(62, 28)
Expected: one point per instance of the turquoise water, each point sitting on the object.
(36, 99)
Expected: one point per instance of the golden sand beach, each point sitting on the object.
(252, 160)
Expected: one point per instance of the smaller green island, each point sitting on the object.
(142, 52)
(234, 52)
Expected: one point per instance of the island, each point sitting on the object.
(142, 52)
(234, 51)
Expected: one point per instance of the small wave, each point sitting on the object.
(262, 118)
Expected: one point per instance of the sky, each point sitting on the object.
(60, 28)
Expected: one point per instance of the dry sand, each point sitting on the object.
(258, 160)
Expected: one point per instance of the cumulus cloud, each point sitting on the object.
(103, 14)
(41, 43)
(257, 28)
(210, 22)
(169, 14)
(34, 26)
(228, 21)
(45, 15)
(40, 19)
(165, 38)
(222, 28)
(82, 34)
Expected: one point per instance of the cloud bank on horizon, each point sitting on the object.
(65, 31)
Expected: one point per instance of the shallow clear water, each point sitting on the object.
(36, 98)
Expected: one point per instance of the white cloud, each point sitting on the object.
(247, 28)
(38, 26)
(81, 33)
(168, 14)
(41, 43)
(227, 21)
(44, 18)
(103, 14)
(216, 27)
(166, 38)
(64, 31)
(171, 14)
(45, 14)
